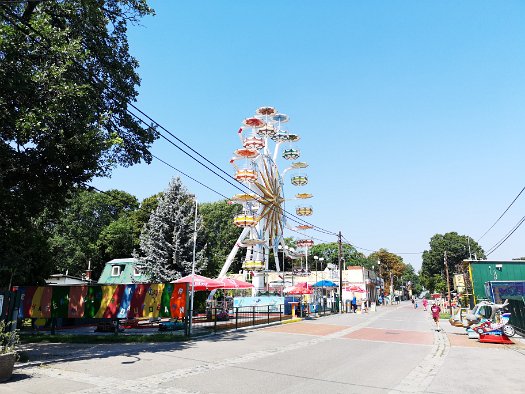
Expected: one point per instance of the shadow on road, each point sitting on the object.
(56, 353)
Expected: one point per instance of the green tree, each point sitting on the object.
(220, 234)
(457, 248)
(27, 260)
(330, 253)
(391, 267)
(94, 227)
(409, 275)
(166, 241)
(434, 283)
(117, 239)
(66, 77)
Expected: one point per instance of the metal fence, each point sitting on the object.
(517, 318)
(217, 318)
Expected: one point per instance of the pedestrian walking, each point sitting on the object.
(436, 310)
(364, 306)
(354, 304)
(425, 304)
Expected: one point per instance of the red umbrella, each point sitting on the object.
(232, 283)
(201, 282)
(301, 288)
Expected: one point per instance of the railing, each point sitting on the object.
(217, 318)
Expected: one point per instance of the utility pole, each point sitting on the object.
(340, 249)
(391, 289)
(448, 283)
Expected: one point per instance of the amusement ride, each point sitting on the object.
(265, 143)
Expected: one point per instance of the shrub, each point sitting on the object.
(9, 339)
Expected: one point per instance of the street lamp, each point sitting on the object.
(320, 259)
(284, 258)
(292, 250)
(192, 302)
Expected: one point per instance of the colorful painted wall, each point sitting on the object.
(101, 301)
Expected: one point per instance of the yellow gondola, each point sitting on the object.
(245, 220)
(243, 197)
(299, 164)
(253, 265)
(304, 211)
(303, 195)
(246, 175)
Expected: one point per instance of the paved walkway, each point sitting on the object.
(390, 351)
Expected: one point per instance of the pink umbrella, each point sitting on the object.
(232, 283)
(201, 282)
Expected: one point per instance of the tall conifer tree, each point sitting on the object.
(166, 241)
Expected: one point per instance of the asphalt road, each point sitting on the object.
(393, 350)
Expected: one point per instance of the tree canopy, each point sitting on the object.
(66, 78)
(93, 227)
(220, 234)
(330, 253)
(457, 248)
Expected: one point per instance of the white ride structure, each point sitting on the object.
(263, 217)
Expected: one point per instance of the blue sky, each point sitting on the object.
(410, 112)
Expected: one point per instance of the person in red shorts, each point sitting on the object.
(436, 310)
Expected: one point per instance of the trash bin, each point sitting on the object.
(348, 306)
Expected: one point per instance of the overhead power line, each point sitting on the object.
(376, 250)
(237, 185)
(502, 241)
(504, 212)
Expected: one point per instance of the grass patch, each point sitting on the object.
(95, 339)
(444, 315)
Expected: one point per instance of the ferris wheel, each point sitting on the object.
(266, 143)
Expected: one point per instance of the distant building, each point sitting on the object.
(364, 278)
(65, 280)
(122, 272)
